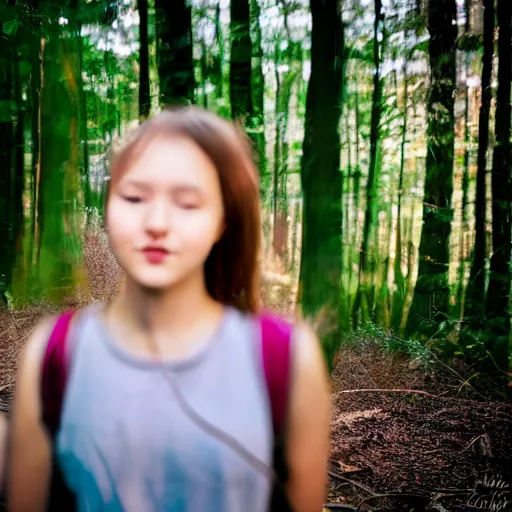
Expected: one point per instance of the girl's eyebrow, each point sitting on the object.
(175, 189)
(187, 188)
(136, 183)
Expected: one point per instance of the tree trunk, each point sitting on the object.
(431, 294)
(284, 81)
(204, 72)
(60, 163)
(144, 96)
(295, 229)
(321, 178)
(364, 303)
(258, 92)
(86, 184)
(356, 190)
(277, 148)
(496, 306)
(240, 63)
(218, 59)
(400, 283)
(174, 51)
(7, 164)
(37, 215)
(475, 292)
(461, 271)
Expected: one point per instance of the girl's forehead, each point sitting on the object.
(172, 160)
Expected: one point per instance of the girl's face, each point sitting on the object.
(165, 213)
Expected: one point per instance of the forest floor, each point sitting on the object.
(432, 444)
(405, 436)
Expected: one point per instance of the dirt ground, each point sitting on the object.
(440, 447)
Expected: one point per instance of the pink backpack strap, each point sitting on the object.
(54, 373)
(275, 344)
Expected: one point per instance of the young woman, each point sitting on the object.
(183, 220)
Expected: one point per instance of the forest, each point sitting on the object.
(382, 134)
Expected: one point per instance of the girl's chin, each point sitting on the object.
(154, 282)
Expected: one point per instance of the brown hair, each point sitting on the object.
(232, 268)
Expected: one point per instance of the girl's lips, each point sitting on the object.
(155, 255)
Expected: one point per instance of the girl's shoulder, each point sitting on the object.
(35, 347)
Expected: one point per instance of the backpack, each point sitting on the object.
(275, 346)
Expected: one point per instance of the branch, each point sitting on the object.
(420, 392)
(391, 494)
(336, 475)
(414, 391)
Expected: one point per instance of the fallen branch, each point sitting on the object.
(336, 475)
(420, 392)
(414, 391)
(389, 495)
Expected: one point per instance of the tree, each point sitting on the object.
(240, 62)
(431, 293)
(400, 283)
(475, 292)
(58, 243)
(461, 272)
(365, 293)
(144, 96)
(284, 84)
(320, 272)
(174, 51)
(258, 93)
(496, 306)
(11, 149)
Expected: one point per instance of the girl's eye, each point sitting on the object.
(189, 206)
(133, 199)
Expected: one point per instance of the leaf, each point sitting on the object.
(10, 27)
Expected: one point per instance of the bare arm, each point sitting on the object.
(309, 424)
(30, 447)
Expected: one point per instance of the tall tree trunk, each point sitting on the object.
(86, 183)
(240, 64)
(144, 95)
(431, 293)
(461, 272)
(277, 148)
(204, 72)
(218, 59)
(496, 306)
(174, 51)
(60, 163)
(7, 165)
(321, 180)
(475, 292)
(295, 229)
(364, 302)
(258, 92)
(400, 283)
(356, 191)
(37, 213)
(284, 81)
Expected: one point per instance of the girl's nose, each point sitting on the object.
(158, 218)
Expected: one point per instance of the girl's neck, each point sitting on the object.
(171, 312)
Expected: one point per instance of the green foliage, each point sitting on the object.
(10, 27)
(470, 42)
